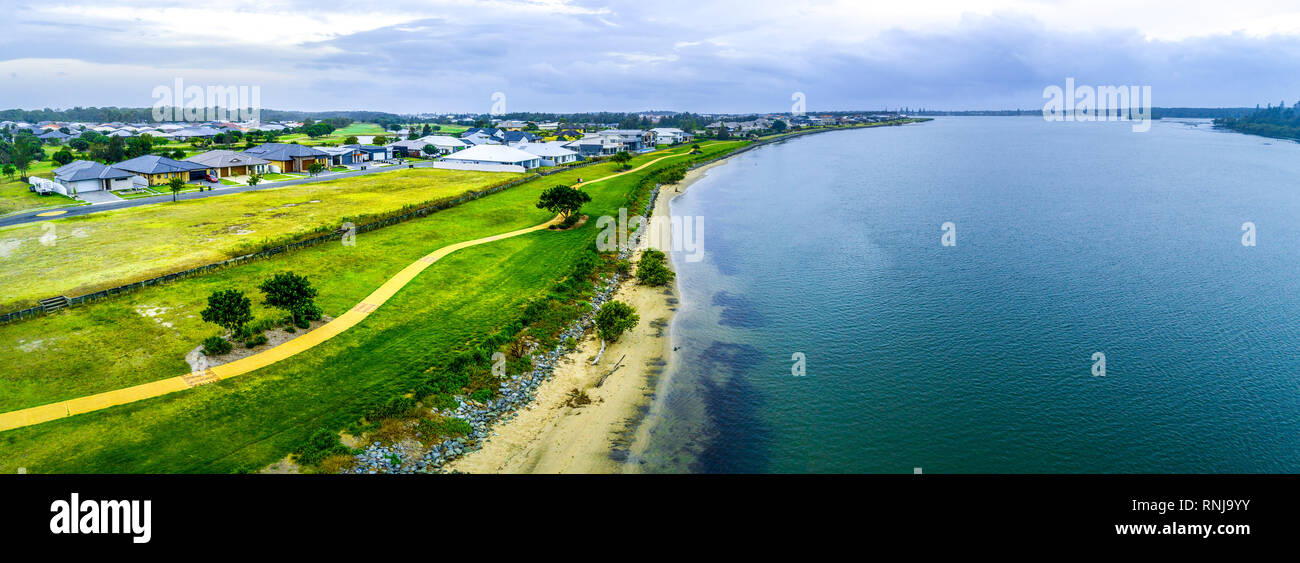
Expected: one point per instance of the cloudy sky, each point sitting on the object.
(689, 55)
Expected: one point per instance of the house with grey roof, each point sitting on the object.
(159, 170)
(288, 157)
(551, 153)
(225, 163)
(88, 176)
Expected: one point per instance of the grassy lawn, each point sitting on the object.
(15, 197)
(107, 249)
(276, 177)
(250, 421)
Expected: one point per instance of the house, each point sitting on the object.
(373, 153)
(288, 157)
(160, 169)
(595, 145)
(88, 176)
(670, 136)
(445, 144)
(408, 148)
(54, 135)
(342, 156)
(230, 163)
(632, 140)
(516, 138)
(195, 132)
(552, 153)
(494, 155)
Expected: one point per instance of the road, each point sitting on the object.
(35, 215)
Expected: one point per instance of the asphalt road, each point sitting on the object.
(31, 216)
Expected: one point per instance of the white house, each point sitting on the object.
(670, 136)
(552, 153)
(493, 158)
(446, 144)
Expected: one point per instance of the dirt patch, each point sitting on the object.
(198, 361)
(581, 221)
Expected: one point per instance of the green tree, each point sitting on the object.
(8, 171)
(290, 292)
(379, 140)
(229, 309)
(176, 185)
(315, 168)
(429, 150)
(622, 158)
(254, 179)
(63, 156)
(653, 268)
(612, 320)
(79, 144)
(351, 140)
(563, 200)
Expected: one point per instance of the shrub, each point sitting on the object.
(444, 426)
(255, 341)
(216, 346)
(444, 402)
(322, 444)
(483, 395)
(395, 407)
(653, 269)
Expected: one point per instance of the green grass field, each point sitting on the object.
(255, 419)
(108, 249)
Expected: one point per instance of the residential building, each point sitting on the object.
(87, 176)
(552, 153)
(495, 155)
(230, 163)
(160, 169)
(288, 157)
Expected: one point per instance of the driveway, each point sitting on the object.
(97, 197)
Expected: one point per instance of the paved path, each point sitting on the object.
(72, 211)
(54, 411)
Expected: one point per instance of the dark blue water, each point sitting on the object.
(1072, 239)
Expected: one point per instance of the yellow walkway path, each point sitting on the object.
(89, 403)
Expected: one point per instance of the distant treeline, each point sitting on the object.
(1279, 122)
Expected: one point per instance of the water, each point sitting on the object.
(1071, 239)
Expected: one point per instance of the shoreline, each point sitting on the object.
(551, 434)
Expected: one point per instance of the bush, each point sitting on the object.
(444, 426)
(395, 407)
(322, 444)
(444, 402)
(483, 395)
(255, 341)
(653, 268)
(216, 346)
(623, 267)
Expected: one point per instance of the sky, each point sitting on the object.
(711, 56)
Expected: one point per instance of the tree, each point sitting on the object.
(292, 293)
(253, 179)
(8, 170)
(351, 140)
(63, 156)
(79, 144)
(612, 320)
(429, 149)
(25, 150)
(563, 200)
(653, 269)
(176, 184)
(379, 140)
(229, 309)
(622, 158)
(315, 168)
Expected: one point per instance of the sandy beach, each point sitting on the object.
(557, 434)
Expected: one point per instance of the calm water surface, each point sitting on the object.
(1071, 239)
